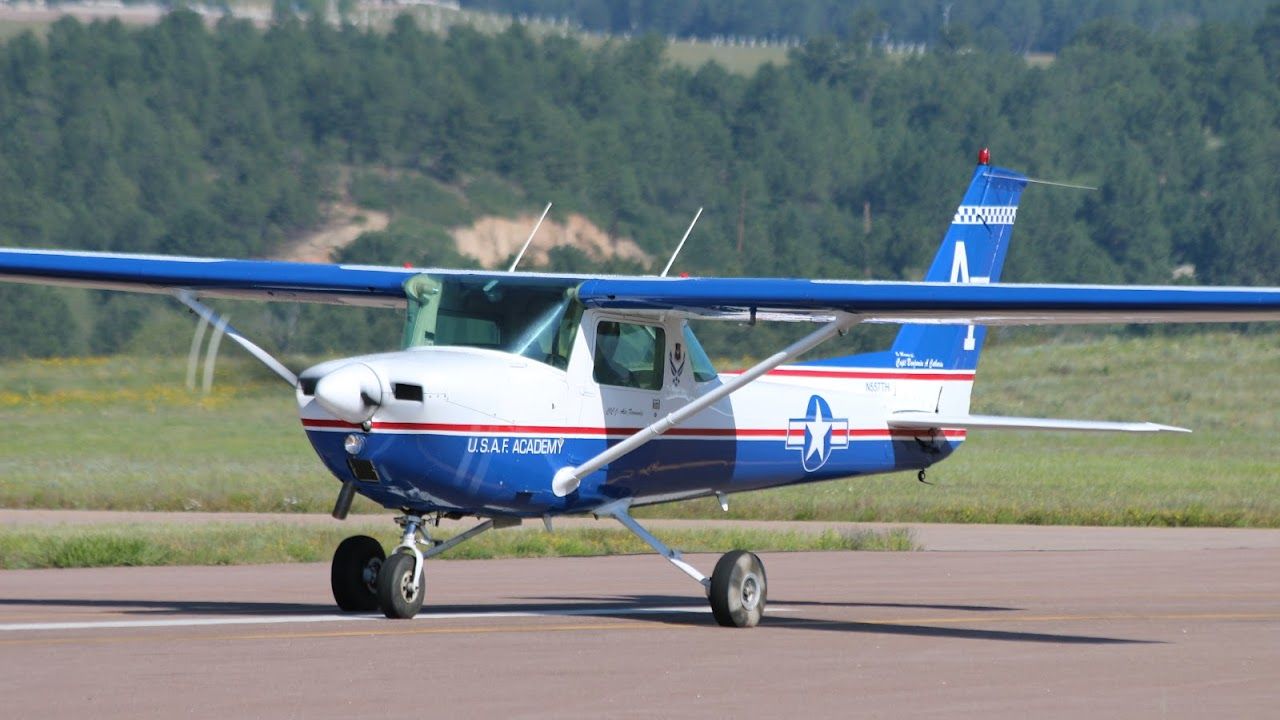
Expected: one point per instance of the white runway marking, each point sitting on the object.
(285, 619)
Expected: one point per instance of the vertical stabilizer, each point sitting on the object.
(936, 362)
(972, 251)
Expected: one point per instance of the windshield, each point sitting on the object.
(703, 370)
(534, 318)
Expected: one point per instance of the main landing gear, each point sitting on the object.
(737, 588)
(364, 579)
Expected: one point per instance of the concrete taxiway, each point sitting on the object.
(1046, 622)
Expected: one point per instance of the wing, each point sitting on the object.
(249, 279)
(727, 298)
(925, 302)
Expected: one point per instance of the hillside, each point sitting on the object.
(846, 162)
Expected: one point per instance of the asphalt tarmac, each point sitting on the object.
(1179, 624)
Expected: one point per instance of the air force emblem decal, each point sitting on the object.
(817, 434)
(676, 359)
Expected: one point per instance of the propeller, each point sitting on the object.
(352, 392)
(222, 327)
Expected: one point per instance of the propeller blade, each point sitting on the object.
(207, 313)
(193, 357)
(211, 353)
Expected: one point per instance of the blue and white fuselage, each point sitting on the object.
(491, 428)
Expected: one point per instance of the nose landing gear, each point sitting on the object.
(400, 591)
(364, 579)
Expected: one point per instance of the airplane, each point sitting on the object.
(521, 396)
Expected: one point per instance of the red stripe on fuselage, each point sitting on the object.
(863, 375)
(602, 432)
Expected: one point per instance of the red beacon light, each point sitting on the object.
(984, 157)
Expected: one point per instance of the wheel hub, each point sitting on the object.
(407, 590)
(750, 592)
(370, 574)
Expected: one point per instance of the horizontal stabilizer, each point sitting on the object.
(998, 422)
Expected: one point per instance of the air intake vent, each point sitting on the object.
(405, 391)
(363, 470)
(308, 385)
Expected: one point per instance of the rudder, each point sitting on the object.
(972, 251)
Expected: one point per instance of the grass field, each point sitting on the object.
(693, 54)
(742, 60)
(240, 544)
(123, 433)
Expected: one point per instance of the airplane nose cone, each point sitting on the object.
(352, 392)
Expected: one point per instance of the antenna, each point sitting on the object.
(516, 262)
(680, 247)
(1038, 181)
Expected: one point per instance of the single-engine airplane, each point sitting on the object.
(520, 395)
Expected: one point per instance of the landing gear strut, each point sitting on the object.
(364, 579)
(737, 588)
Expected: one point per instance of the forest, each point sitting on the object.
(843, 162)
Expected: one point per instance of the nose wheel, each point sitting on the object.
(400, 594)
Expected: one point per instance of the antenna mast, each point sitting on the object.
(516, 262)
(680, 247)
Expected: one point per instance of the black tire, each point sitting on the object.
(354, 573)
(395, 598)
(738, 589)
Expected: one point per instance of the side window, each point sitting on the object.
(629, 355)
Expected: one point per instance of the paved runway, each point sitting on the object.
(1191, 629)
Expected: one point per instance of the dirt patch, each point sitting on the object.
(494, 240)
(345, 222)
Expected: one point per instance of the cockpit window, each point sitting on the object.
(534, 319)
(629, 355)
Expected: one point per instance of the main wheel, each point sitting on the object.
(738, 589)
(396, 596)
(354, 573)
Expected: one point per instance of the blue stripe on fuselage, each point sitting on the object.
(428, 472)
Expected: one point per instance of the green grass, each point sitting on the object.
(123, 433)
(246, 544)
(742, 60)
(10, 29)
(1226, 473)
(693, 54)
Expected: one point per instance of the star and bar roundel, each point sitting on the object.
(817, 434)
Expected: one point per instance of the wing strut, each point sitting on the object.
(567, 479)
